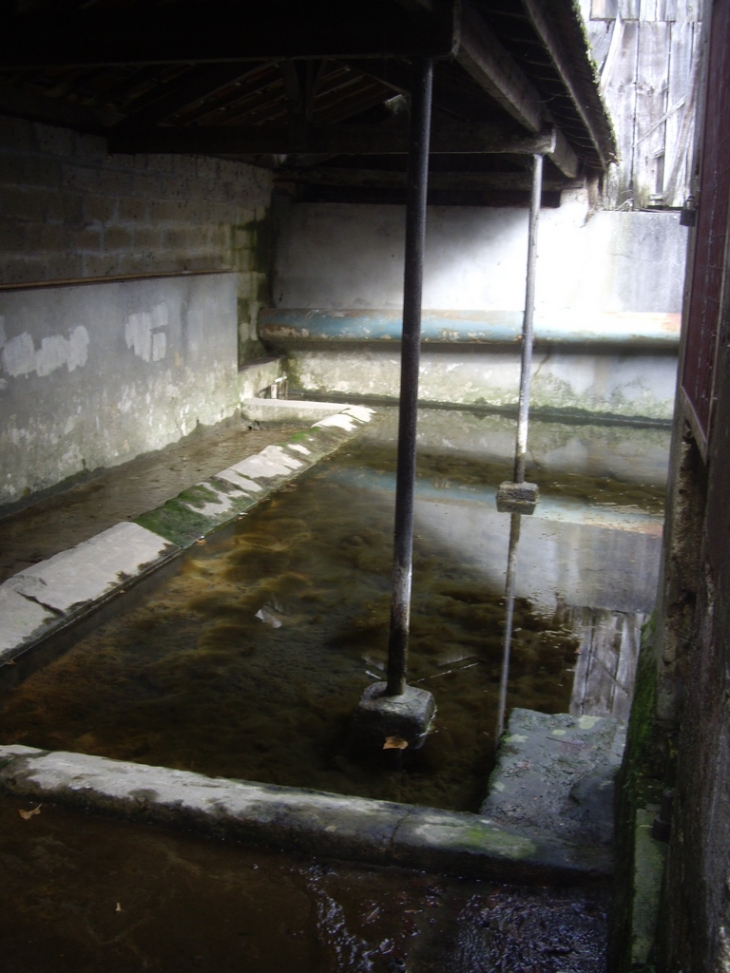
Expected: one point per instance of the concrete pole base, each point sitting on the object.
(399, 721)
(517, 498)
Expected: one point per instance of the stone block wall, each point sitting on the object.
(70, 211)
(129, 287)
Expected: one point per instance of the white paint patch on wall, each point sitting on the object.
(20, 356)
(143, 333)
(121, 404)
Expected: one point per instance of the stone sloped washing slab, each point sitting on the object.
(235, 490)
(89, 570)
(47, 596)
(22, 620)
(554, 776)
(308, 822)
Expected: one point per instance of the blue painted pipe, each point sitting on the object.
(281, 326)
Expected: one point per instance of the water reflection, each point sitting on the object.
(607, 658)
(608, 650)
(514, 539)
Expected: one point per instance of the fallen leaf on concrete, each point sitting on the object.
(27, 815)
(395, 743)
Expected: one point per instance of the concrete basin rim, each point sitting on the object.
(402, 834)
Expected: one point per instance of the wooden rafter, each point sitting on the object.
(204, 79)
(273, 77)
(585, 97)
(389, 138)
(446, 181)
(489, 63)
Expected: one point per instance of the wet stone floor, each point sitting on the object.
(81, 893)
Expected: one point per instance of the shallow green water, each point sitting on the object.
(249, 662)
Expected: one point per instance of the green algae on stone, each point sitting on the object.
(649, 859)
(176, 522)
(198, 496)
(497, 841)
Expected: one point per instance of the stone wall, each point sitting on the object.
(689, 726)
(693, 689)
(69, 211)
(95, 375)
(128, 290)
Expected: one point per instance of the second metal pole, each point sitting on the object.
(528, 322)
(410, 358)
(521, 444)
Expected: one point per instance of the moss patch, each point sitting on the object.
(179, 521)
(198, 496)
(175, 522)
(498, 842)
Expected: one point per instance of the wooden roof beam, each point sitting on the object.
(490, 64)
(201, 81)
(398, 76)
(378, 178)
(55, 111)
(388, 138)
(578, 79)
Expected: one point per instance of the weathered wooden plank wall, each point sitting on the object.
(646, 51)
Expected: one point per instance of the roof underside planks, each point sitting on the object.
(319, 91)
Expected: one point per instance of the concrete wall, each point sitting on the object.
(347, 256)
(93, 375)
(332, 255)
(70, 211)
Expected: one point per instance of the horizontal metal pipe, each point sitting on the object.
(279, 326)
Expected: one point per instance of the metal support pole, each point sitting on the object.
(521, 444)
(527, 326)
(410, 357)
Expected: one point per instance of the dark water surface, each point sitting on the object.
(81, 893)
(248, 663)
